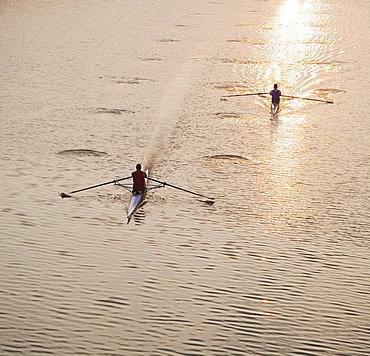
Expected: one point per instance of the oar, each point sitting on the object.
(298, 97)
(64, 195)
(184, 190)
(286, 96)
(229, 96)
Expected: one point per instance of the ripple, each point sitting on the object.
(227, 158)
(114, 111)
(167, 40)
(132, 80)
(234, 88)
(82, 152)
(113, 303)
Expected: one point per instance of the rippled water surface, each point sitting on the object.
(278, 265)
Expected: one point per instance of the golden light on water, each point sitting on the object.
(282, 175)
(292, 51)
(291, 46)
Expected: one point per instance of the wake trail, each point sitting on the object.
(171, 107)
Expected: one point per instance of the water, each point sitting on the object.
(277, 266)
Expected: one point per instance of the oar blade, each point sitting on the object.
(64, 195)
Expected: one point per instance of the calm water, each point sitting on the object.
(277, 266)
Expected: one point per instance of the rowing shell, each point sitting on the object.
(136, 202)
(274, 108)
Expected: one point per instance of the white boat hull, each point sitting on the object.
(274, 108)
(134, 204)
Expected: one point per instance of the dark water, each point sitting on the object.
(277, 266)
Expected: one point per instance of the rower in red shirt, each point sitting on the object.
(139, 180)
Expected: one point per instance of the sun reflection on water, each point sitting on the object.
(291, 40)
(294, 29)
(282, 175)
(294, 49)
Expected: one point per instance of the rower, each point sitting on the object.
(275, 95)
(139, 180)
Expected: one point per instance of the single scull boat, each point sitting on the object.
(136, 200)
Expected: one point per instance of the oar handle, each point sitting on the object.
(184, 190)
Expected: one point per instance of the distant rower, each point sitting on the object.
(275, 94)
(139, 180)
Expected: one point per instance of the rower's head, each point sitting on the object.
(138, 167)
(275, 86)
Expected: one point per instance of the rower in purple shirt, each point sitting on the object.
(275, 94)
(275, 98)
